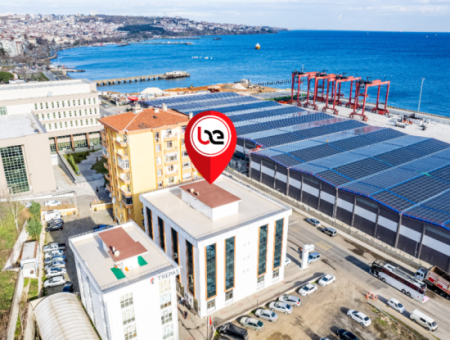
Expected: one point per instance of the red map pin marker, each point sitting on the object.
(210, 140)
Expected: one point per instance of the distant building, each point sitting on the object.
(145, 151)
(229, 240)
(127, 284)
(68, 110)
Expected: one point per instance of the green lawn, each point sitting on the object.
(98, 166)
(33, 290)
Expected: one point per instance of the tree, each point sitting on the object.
(34, 228)
(35, 210)
(5, 77)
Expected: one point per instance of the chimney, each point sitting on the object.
(156, 110)
(164, 107)
(198, 193)
(191, 115)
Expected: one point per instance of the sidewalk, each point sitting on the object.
(194, 328)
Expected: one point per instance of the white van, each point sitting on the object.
(423, 320)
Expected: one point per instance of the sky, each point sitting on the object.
(365, 15)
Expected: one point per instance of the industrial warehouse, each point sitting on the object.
(388, 184)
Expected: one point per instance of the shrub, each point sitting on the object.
(34, 228)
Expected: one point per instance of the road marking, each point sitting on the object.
(324, 245)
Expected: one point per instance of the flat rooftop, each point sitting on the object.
(210, 194)
(89, 247)
(252, 207)
(21, 125)
(42, 84)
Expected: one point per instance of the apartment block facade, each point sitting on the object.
(145, 151)
(69, 110)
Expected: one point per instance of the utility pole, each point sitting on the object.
(420, 96)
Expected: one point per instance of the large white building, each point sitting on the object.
(229, 240)
(127, 284)
(69, 110)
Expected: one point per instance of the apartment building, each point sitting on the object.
(68, 110)
(127, 284)
(229, 240)
(145, 151)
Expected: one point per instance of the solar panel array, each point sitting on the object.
(409, 174)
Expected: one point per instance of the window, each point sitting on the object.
(149, 223)
(229, 295)
(175, 256)
(211, 305)
(62, 103)
(35, 106)
(167, 331)
(93, 100)
(165, 300)
(87, 121)
(128, 316)
(158, 148)
(48, 115)
(70, 113)
(182, 142)
(3, 111)
(186, 165)
(14, 169)
(166, 316)
(126, 300)
(92, 121)
(54, 115)
(171, 157)
(71, 123)
(276, 274)
(85, 112)
(260, 282)
(79, 102)
(130, 332)
(64, 114)
(90, 111)
(80, 112)
(229, 262)
(74, 103)
(160, 185)
(187, 176)
(49, 126)
(46, 105)
(81, 122)
(89, 100)
(183, 129)
(53, 105)
(278, 243)
(96, 120)
(158, 160)
(164, 286)
(162, 237)
(60, 125)
(42, 106)
(159, 172)
(65, 123)
(84, 101)
(170, 168)
(211, 271)
(262, 253)
(185, 154)
(57, 104)
(169, 145)
(95, 111)
(56, 126)
(157, 136)
(171, 180)
(190, 267)
(43, 117)
(68, 103)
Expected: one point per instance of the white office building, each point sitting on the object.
(127, 284)
(229, 240)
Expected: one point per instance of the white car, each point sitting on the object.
(52, 203)
(55, 264)
(287, 261)
(281, 307)
(266, 314)
(308, 289)
(326, 280)
(55, 272)
(361, 318)
(290, 300)
(54, 253)
(55, 281)
(395, 304)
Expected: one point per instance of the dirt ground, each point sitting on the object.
(324, 312)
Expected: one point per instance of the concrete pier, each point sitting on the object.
(117, 81)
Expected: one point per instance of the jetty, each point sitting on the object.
(124, 80)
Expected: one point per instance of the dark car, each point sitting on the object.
(346, 335)
(102, 227)
(233, 332)
(54, 227)
(68, 287)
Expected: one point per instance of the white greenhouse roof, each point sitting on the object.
(61, 317)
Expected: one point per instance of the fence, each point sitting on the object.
(14, 312)
(17, 249)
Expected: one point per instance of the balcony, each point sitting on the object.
(123, 164)
(106, 166)
(122, 156)
(126, 192)
(121, 142)
(170, 136)
(169, 160)
(108, 188)
(171, 174)
(127, 201)
(125, 178)
(104, 143)
(107, 177)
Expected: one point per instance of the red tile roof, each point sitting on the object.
(121, 241)
(210, 194)
(146, 119)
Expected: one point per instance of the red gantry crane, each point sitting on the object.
(311, 76)
(297, 79)
(363, 85)
(336, 93)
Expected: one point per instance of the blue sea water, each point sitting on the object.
(402, 58)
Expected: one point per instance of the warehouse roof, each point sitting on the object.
(408, 174)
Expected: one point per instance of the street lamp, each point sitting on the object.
(420, 96)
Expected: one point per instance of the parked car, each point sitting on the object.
(54, 227)
(290, 300)
(266, 314)
(54, 246)
(55, 221)
(346, 335)
(395, 304)
(68, 287)
(308, 289)
(54, 253)
(52, 215)
(329, 231)
(55, 264)
(287, 261)
(313, 221)
(361, 318)
(324, 339)
(56, 258)
(52, 203)
(313, 257)
(423, 320)
(55, 272)
(55, 281)
(233, 332)
(252, 323)
(326, 280)
(102, 227)
(281, 307)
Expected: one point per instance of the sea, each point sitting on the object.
(407, 59)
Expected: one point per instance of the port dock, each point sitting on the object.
(117, 81)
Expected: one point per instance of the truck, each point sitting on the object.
(437, 280)
(54, 246)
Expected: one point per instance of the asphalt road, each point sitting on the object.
(351, 260)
